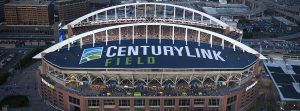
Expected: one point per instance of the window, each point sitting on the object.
(213, 109)
(199, 101)
(154, 102)
(184, 102)
(169, 102)
(154, 109)
(124, 102)
(93, 102)
(231, 99)
(213, 102)
(74, 100)
(139, 109)
(139, 102)
(109, 102)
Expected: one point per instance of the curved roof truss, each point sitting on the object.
(94, 15)
(93, 32)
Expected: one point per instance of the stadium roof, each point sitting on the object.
(112, 8)
(286, 78)
(151, 55)
(93, 32)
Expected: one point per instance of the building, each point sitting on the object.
(29, 13)
(232, 10)
(27, 23)
(148, 64)
(285, 75)
(286, 24)
(69, 10)
(2, 2)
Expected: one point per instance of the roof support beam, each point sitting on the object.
(193, 16)
(106, 37)
(134, 11)
(145, 10)
(183, 15)
(95, 13)
(199, 37)
(165, 11)
(155, 10)
(116, 13)
(132, 34)
(146, 34)
(222, 44)
(185, 36)
(94, 40)
(173, 31)
(210, 40)
(120, 38)
(174, 14)
(125, 12)
(160, 34)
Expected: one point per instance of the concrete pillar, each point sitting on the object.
(131, 104)
(147, 104)
(176, 104)
(117, 107)
(191, 104)
(162, 104)
(205, 104)
(101, 105)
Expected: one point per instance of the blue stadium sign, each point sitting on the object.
(151, 55)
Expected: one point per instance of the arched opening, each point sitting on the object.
(154, 88)
(72, 81)
(97, 84)
(208, 84)
(84, 81)
(194, 84)
(126, 83)
(112, 84)
(140, 84)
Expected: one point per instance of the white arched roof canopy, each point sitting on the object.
(219, 22)
(93, 32)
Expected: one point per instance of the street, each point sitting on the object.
(23, 82)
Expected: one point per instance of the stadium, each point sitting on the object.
(149, 57)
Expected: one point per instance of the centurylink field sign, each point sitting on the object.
(152, 55)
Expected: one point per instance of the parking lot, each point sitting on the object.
(10, 57)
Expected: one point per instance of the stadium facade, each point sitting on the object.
(149, 57)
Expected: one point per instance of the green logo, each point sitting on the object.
(91, 54)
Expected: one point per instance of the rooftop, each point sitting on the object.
(286, 77)
(286, 21)
(151, 55)
(28, 3)
(226, 9)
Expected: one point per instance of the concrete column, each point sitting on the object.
(101, 105)
(117, 107)
(162, 104)
(131, 104)
(176, 104)
(191, 104)
(147, 104)
(206, 104)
